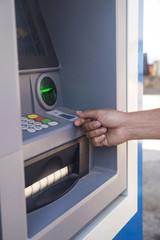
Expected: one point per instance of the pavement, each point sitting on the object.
(151, 176)
(151, 199)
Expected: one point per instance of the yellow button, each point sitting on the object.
(32, 116)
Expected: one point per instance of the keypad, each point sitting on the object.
(34, 123)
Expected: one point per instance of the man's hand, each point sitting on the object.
(104, 127)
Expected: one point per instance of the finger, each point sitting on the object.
(79, 122)
(92, 114)
(90, 126)
(98, 141)
(96, 133)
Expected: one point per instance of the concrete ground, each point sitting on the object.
(151, 198)
(151, 177)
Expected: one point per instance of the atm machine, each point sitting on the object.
(57, 57)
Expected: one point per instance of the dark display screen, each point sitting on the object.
(27, 46)
(35, 49)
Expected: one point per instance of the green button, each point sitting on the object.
(46, 120)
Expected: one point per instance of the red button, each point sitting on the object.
(39, 119)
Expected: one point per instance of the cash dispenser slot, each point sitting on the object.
(52, 174)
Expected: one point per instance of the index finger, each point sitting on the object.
(91, 114)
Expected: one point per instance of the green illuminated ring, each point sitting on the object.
(46, 92)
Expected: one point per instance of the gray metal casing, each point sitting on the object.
(29, 92)
(85, 43)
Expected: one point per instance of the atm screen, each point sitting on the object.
(35, 49)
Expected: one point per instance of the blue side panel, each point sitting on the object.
(134, 228)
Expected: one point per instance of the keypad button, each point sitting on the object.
(24, 123)
(31, 125)
(31, 130)
(38, 124)
(38, 128)
(32, 116)
(31, 121)
(24, 118)
(46, 120)
(44, 126)
(24, 127)
(39, 119)
(53, 123)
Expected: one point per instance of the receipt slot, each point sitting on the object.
(66, 56)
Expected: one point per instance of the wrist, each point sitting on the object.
(126, 126)
(143, 125)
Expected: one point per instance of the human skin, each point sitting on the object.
(108, 127)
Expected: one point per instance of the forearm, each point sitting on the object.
(143, 124)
